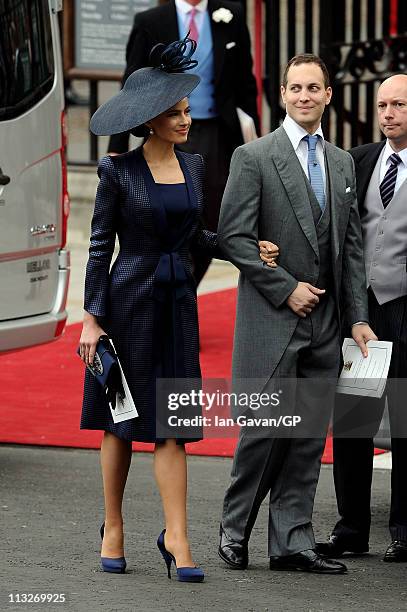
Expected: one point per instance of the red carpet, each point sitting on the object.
(41, 387)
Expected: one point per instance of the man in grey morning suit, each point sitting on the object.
(381, 171)
(299, 191)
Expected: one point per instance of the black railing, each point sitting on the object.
(360, 48)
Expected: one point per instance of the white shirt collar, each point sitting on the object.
(389, 151)
(296, 133)
(185, 7)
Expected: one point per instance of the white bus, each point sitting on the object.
(34, 203)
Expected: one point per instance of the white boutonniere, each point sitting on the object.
(222, 14)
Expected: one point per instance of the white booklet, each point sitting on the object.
(365, 376)
(125, 407)
(246, 125)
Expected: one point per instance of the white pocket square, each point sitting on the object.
(347, 190)
(230, 45)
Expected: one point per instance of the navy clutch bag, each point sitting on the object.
(106, 369)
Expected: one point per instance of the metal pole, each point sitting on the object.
(93, 104)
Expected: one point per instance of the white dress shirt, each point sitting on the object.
(402, 167)
(296, 134)
(184, 11)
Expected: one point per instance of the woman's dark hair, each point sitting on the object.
(141, 131)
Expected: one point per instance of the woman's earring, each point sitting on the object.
(151, 132)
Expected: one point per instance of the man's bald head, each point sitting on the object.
(392, 110)
(397, 80)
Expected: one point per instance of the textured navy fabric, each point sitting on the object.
(129, 204)
(168, 342)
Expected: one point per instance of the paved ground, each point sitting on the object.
(51, 507)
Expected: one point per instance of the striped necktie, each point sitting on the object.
(193, 28)
(314, 170)
(389, 182)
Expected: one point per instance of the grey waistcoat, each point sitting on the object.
(385, 240)
(323, 226)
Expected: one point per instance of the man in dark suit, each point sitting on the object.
(227, 82)
(299, 191)
(381, 172)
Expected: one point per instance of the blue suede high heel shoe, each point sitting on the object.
(184, 574)
(112, 565)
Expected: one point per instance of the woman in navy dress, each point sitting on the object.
(151, 198)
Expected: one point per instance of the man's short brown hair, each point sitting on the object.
(307, 58)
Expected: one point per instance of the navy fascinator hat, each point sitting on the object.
(148, 92)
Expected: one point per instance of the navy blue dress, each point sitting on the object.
(146, 302)
(169, 354)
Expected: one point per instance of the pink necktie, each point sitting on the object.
(193, 30)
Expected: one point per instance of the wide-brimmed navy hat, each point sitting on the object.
(148, 92)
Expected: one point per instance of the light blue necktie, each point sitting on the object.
(314, 170)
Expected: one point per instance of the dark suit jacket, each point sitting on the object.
(235, 84)
(365, 158)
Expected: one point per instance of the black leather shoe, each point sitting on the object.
(307, 561)
(233, 553)
(396, 552)
(337, 546)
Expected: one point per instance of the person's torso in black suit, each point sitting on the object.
(365, 157)
(235, 84)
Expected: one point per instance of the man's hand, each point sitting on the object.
(268, 253)
(304, 298)
(361, 334)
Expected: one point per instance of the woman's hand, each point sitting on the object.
(91, 332)
(268, 253)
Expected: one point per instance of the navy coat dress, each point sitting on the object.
(147, 301)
